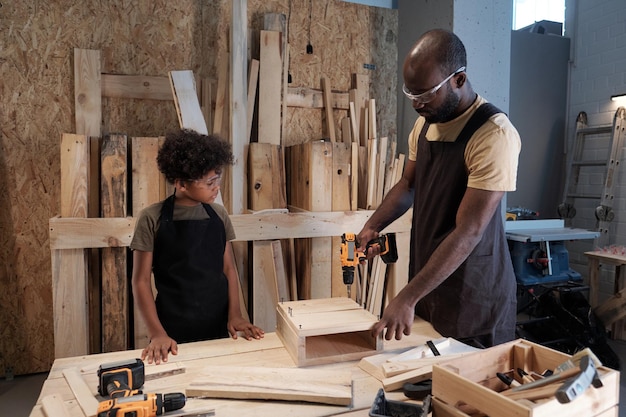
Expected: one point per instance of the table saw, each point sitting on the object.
(538, 250)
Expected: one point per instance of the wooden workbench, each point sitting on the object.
(267, 352)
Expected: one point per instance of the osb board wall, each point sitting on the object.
(37, 39)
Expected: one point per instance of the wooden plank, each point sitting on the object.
(69, 271)
(87, 91)
(280, 271)
(74, 175)
(328, 110)
(88, 113)
(253, 81)
(205, 95)
(270, 87)
(266, 168)
(53, 406)
(313, 98)
(285, 384)
(372, 173)
(188, 109)
(264, 286)
(320, 181)
(74, 233)
(261, 173)
(354, 176)
(342, 154)
(278, 22)
(142, 87)
(146, 189)
(221, 96)
(82, 392)
(115, 320)
(360, 82)
(238, 107)
(382, 168)
(346, 131)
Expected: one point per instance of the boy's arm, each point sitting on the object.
(236, 322)
(160, 343)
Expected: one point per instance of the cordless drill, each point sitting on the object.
(121, 379)
(350, 257)
(141, 405)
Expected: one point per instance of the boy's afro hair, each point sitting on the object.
(189, 155)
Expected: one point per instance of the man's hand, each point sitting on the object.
(159, 348)
(247, 329)
(363, 238)
(397, 318)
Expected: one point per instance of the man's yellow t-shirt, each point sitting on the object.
(491, 155)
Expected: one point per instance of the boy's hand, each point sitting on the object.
(247, 329)
(159, 348)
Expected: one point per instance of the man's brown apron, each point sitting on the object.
(477, 303)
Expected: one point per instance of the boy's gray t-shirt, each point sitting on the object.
(148, 223)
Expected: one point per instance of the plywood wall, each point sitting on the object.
(37, 40)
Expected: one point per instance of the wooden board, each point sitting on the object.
(267, 176)
(285, 384)
(264, 286)
(146, 189)
(328, 110)
(313, 98)
(82, 392)
(186, 99)
(72, 233)
(53, 406)
(115, 320)
(140, 87)
(270, 87)
(69, 271)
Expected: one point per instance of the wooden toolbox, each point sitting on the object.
(469, 383)
(327, 330)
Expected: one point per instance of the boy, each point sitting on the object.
(185, 241)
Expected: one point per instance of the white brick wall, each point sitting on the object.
(597, 29)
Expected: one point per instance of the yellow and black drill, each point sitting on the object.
(121, 382)
(350, 257)
(141, 405)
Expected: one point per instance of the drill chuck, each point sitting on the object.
(174, 401)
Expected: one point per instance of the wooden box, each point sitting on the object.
(470, 383)
(327, 330)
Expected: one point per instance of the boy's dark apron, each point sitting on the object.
(478, 301)
(192, 299)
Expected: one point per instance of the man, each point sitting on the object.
(462, 159)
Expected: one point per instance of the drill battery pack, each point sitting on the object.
(122, 376)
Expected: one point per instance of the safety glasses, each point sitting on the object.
(429, 95)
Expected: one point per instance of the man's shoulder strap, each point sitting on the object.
(480, 116)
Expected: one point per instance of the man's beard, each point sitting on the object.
(447, 111)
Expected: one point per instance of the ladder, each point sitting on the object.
(572, 190)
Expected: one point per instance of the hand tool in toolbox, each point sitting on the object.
(382, 407)
(351, 257)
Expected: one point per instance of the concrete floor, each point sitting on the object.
(18, 396)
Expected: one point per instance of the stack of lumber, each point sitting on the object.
(350, 168)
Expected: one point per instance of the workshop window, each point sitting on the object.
(527, 12)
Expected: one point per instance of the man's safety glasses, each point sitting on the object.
(429, 95)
